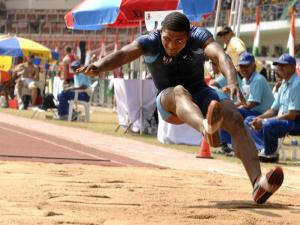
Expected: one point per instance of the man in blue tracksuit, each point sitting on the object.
(257, 94)
(81, 81)
(284, 115)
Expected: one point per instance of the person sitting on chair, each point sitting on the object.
(283, 117)
(81, 82)
(257, 96)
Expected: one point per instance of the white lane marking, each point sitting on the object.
(58, 145)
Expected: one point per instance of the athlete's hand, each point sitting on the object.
(226, 90)
(234, 90)
(90, 70)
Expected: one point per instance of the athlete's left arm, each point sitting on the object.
(216, 54)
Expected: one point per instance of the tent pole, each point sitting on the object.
(217, 18)
(141, 87)
(238, 26)
(231, 13)
(235, 15)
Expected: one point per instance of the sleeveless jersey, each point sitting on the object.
(186, 68)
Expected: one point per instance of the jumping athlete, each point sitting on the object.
(175, 56)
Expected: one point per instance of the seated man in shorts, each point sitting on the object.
(28, 76)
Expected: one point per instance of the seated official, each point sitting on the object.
(257, 96)
(283, 117)
(257, 93)
(80, 82)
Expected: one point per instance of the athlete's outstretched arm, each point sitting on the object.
(113, 60)
(216, 54)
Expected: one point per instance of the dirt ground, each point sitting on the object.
(193, 191)
(44, 193)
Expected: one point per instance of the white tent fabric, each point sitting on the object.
(127, 94)
(168, 133)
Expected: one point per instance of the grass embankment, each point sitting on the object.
(105, 121)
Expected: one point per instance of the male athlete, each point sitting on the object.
(175, 56)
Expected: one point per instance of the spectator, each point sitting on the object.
(220, 80)
(284, 115)
(233, 45)
(255, 88)
(80, 82)
(257, 94)
(67, 73)
(28, 76)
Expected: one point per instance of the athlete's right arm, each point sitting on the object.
(113, 60)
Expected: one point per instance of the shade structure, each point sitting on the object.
(11, 45)
(5, 62)
(97, 14)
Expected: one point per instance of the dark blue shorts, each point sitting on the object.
(202, 97)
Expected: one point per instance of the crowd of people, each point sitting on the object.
(258, 97)
(28, 82)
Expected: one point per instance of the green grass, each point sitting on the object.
(105, 121)
(102, 121)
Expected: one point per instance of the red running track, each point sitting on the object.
(20, 144)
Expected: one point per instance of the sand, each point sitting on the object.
(46, 193)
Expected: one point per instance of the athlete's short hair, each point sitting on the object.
(176, 21)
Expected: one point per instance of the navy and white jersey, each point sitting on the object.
(184, 69)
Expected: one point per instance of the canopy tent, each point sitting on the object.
(97, 14)
(5, 62)
(11, 45)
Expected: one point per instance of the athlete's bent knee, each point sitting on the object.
(179, 90)
(233, 120)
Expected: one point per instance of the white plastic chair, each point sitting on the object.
(294, 144)
(75, 102)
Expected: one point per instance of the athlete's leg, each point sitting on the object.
(263, 186)
(178, 101)
(241, 141)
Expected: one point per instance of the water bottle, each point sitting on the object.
(294, 144)
(153, 126)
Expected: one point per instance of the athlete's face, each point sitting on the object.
(173, 41)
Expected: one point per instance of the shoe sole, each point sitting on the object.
(269, 159)
(275, 178)
(214, 116)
